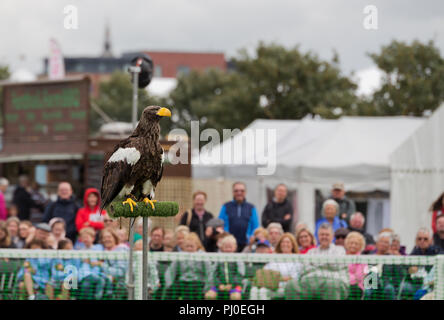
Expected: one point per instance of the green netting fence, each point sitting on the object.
(99, 275)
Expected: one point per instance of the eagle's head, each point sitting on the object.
(155, 113)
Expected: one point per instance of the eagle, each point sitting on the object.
(135, 166)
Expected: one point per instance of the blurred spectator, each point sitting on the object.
(437, 208)
(25, 234)
(197, 217)
(42, 232)
(36, 212)
(346, 206)
(354, 244)
(357, 222)
(424, 244)
(90, 215)
(219, 239)
(156, 243)
(438, 237)
(138, 232)
(110, 240)
(179, 236)
(196, 238)
(12, 224)
(396, 248)
(330, 209)
(340, 236)
(5, 239)
(22, 198)
(300, 226)
(324, 280)
(240, 217)
(4, 183)
(228, 276)
(13, 211)
(275, 232)
(214, 228)
(260, 234)
(65, 207)
(305, 240)
(109, 222)
(58, 231)
(279, 209)
(87, 236)
(263, 246)
(383, 243)
(122, 233)
(168, 240)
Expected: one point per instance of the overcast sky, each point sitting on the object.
(214, 25)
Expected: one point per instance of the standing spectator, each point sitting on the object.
(22, 198)
(197, 217)
(354, 244)
(240, 217)
(66, 208)
(357, 222)
(437, 208)
(324, 280)
(58, 231)
(4, 183)
(5, 239)
(156, 243)
(12, 224)
(90, 215)
(438, 237)
(346, 206)
(275, 233)
(330, 209)
(26, 233)
(305, 240)
(36, 212)
(279, 209)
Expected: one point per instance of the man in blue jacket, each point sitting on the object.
(240, 217)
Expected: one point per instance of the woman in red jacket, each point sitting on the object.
(438, 209)
(90, 215)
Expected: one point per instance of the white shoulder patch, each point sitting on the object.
(130, 155)
(163, 155)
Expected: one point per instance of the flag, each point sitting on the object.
(56, 64)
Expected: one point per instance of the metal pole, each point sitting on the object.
(135, 72)
(145, 260)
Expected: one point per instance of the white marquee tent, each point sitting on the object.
(310, 154)
(417, 176)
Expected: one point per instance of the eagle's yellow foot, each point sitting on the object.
(151, 202)
(131, 203)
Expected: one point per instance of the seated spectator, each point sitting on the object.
(42, 232)
(200, 247)
(168, 240)
(214, 228)
(13, 211)
(227, 275)
(396, 248)
(110, 240)
(197, 217)
(438, 237)
(300, 226)
(219, 238)
(179, 235)
(279, 209)
(424, 244)
(286, 270)
(263, 246)
(57, 226)
(5, 239)
(305, 240)
(90, 215)
(35, 273)
(321, 280)
(122, 233)
(275, 232)
(357, 222)
(156, 243)
(346, 207)
(340, 236)
(12, 224)
(437, 209)
(87, 236)
(25, 234)
(330, 210)
(188, 279)
(259, 234)
(354, 244)
(240, 217)
(138, 232)
(109, 222)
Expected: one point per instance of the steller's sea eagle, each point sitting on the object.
(135, 167)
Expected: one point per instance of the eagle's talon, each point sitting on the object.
(131, 203)
(151, 202)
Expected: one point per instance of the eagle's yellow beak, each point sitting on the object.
(164, 112)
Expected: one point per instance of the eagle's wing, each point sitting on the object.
(116, 171)
(159, 175)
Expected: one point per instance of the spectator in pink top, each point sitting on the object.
(354, 244)
(4, 183)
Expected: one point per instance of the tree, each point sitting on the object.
(413, 81)
(115, 99)
(275, 83)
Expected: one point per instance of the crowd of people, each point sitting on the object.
(66, 225)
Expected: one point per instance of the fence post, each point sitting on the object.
(138, 288)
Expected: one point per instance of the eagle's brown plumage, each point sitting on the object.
(136, 161)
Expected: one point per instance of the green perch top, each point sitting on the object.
(162, 209)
